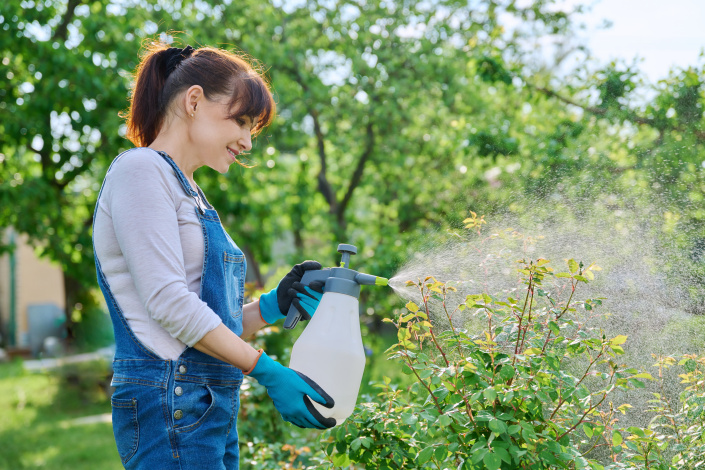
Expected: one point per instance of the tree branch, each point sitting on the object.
(62, 29)
(359, 169)
(324, 185)
(630, 115)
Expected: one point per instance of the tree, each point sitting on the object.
(393, 119)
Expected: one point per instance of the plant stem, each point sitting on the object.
(423, 384)
(528, 320)
(562, 400)
(567, 305)
(433, 336)
(583, 417)
(468, 408)
(516, 346)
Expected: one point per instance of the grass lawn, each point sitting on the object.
(37, 428)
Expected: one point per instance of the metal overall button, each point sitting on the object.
(178, 414)
(179, 391)
(182, 369)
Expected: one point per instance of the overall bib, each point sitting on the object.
(181, 414)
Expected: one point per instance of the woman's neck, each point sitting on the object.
(172, 141)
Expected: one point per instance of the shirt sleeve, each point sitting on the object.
(143, 209)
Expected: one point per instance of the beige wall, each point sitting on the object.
(36, 282)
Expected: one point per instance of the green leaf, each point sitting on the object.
(497, 426)
(407, 317)
(636, 383)
(492, 461)
(410, 419)
(503, 454)
(587, 429)
(425, 455)
(617, 340)
(356, 444)
(479, 454)
(616, 438)
(341, 460)
(412, 307)
(444, 420)
(553, 326)
(507, 372)
(573, 266)
(642, 375)
(490, 394)
(441, 453)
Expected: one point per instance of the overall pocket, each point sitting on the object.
(125, 427)
(192, 405)
(235, 283)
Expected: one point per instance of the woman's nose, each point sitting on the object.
(246, 142)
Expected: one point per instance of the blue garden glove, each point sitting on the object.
(292, 392)
(274, 305)
(307, 297)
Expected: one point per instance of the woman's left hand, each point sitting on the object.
(275, 304)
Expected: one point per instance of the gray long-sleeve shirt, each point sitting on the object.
(150, 246)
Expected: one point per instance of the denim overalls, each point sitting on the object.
(181, 414)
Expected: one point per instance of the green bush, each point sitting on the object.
(524, 379)
(529, 389)
(675, 438)
(88, 382)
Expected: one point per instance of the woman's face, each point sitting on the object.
(217, 138)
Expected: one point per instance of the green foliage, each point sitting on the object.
(392, 120)
(529, 390)
(372, 100)
(375, 101)
(675, 436)
(89, 381)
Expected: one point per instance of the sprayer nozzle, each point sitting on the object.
(370, 280)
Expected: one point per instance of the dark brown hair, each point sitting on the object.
(218, 72)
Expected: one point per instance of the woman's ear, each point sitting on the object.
(191, 99)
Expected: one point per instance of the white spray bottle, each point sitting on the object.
(330, 350)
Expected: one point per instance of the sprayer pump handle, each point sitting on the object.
(344, 248)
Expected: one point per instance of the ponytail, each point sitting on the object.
(164, 72)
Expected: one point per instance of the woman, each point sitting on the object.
(174, 280)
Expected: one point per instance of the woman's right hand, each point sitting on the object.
(292, 392)
(275, 304)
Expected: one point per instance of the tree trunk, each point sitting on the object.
(74, 293)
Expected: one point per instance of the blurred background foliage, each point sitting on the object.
(394, 119)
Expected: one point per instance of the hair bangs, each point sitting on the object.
(253, 99)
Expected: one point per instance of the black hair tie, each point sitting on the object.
(175, 55)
